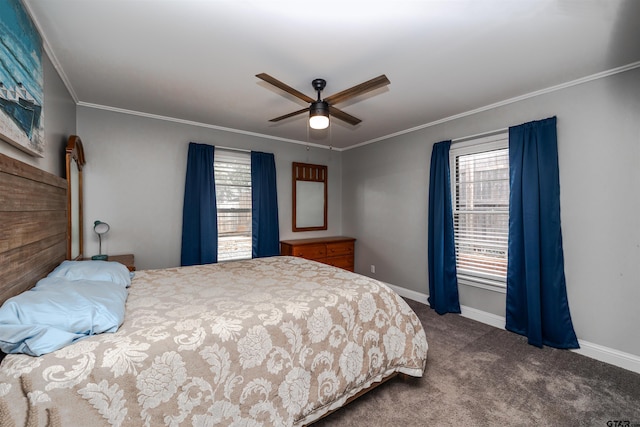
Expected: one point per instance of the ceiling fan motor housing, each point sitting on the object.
(319, 108)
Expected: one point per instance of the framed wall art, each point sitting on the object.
(21, 79)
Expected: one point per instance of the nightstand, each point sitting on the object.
(126, 259)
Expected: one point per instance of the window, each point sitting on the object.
(232, 170)
(480, 198)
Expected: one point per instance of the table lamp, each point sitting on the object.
(100, 228)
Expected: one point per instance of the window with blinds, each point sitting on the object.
(480, 198)
(232, 170)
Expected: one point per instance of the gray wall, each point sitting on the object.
(59, 122)
(385, 193)
(135, 173)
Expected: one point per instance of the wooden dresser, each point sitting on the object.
(337, 251)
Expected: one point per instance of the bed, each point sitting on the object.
(272, 341)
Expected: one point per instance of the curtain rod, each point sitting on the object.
(480, 135)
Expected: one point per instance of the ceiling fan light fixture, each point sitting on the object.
(319, 115)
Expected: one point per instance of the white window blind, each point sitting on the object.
(232, 170)
(480, 198)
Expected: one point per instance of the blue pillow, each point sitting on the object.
(57, 312)
(106, 271)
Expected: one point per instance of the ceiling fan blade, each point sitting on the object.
(285, 87)
(286, 116)
(339, 114)
(360, 89)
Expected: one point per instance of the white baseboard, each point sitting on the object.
(408, 293)
(618, 358)
(483, 317)
(608, 355)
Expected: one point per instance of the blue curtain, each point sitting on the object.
(264, 209)
(537, 305)
(443, 280)
(199, 213)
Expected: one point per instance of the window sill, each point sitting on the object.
(487, 284)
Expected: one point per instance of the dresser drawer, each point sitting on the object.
(341, 248)
(310, 251)
(345, 262)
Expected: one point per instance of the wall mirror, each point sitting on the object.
(309, 197)
(74, 162)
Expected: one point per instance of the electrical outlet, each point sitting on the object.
(373, 269)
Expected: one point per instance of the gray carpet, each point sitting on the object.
(478, 375)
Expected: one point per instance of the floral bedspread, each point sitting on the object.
(274, 341)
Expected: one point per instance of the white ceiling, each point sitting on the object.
(196, 60)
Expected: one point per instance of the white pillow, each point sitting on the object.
(104, 271)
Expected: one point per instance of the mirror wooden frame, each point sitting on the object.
(74, 162)
(308, 173)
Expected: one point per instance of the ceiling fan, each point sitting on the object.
(320, 109)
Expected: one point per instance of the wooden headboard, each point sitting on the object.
(33, 225)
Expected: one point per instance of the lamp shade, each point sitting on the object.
(100, 227)
(319, 115)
